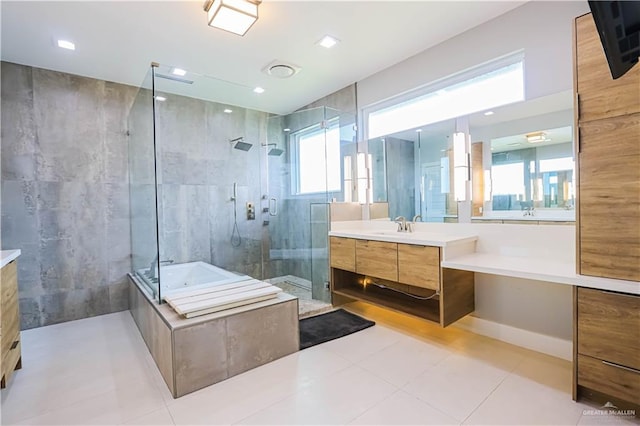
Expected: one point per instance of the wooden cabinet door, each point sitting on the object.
(343, 253)
(419, 266)
(609, 326)
(9, 306)
(609, 198)
(377, 259)
(600, 96)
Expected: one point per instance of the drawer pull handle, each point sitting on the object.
(612, 364)
(14, 344)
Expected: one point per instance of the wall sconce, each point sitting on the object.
(365, 182)
(461, 166)
(235, 16)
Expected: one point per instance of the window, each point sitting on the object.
(316, 165)
(495, 84)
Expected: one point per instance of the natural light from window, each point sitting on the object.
(508, 179)
(500, 87)
(318, 172)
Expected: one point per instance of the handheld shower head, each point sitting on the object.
(239, 143)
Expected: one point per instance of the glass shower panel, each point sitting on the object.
(142, 187)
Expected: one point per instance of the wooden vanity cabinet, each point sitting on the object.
(608, 153)
(419, 266)
(344, 253)
(10, 348)
(608, 345)
(377, 259)
(403, 277)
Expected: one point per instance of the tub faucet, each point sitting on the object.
(402, 223)
(155, 263)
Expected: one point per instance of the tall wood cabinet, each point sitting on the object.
(606, 324)
(608, 157)
(10, 349)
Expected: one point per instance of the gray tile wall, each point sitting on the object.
(65, 200)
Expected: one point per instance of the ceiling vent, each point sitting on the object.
(281, 69)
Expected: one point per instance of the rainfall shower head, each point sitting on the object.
(276, 152)
(239, 143)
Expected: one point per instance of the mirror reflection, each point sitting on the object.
(522, 164)
(412, 171)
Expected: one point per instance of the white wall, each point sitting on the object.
(542, 29)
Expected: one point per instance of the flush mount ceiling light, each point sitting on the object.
(179, 72)
(235, 16)
(328, 41)
(65, 44)
(536, 137)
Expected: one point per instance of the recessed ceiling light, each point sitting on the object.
(161, 98)
(489, 113)
(179, 72)
(65, 44)
(258, 90)
(328, 41)
(228, 111)
(286, 130)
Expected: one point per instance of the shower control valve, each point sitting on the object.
(251, 211)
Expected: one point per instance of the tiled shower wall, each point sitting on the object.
(65, 195)
(65, 199)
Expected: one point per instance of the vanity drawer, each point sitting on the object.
(343, 253)
(617, 381)
(419, 266)
(609, 326)
(377, 259)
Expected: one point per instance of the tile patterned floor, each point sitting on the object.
(402, 371)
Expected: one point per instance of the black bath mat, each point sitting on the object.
(329, 326)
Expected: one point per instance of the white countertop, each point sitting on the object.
(549, 270)
(418, 238)
(7, 256)
(527, 218)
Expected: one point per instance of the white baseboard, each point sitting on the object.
(549, 345)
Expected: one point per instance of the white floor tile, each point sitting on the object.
(553, 372)
(403, 409)
(334, 400)
(358, 346)
(457, 385)
(113, 407)
(403, 361)
(160, 417)
(522, 401)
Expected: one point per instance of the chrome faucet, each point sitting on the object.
(413, 222)
(154, 266)
(528, 211)
(402, 223)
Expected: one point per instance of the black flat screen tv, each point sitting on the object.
(618, 24)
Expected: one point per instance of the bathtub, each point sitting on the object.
(198, 288)
(192, 276)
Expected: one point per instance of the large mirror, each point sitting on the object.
(527, 160)
(522, 165)
(411, 171)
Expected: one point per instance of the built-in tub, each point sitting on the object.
(196, 352)
(192, 276)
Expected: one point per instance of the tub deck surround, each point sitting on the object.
(197, 352)
(7, 256)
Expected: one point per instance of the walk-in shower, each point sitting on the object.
(260, 213)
